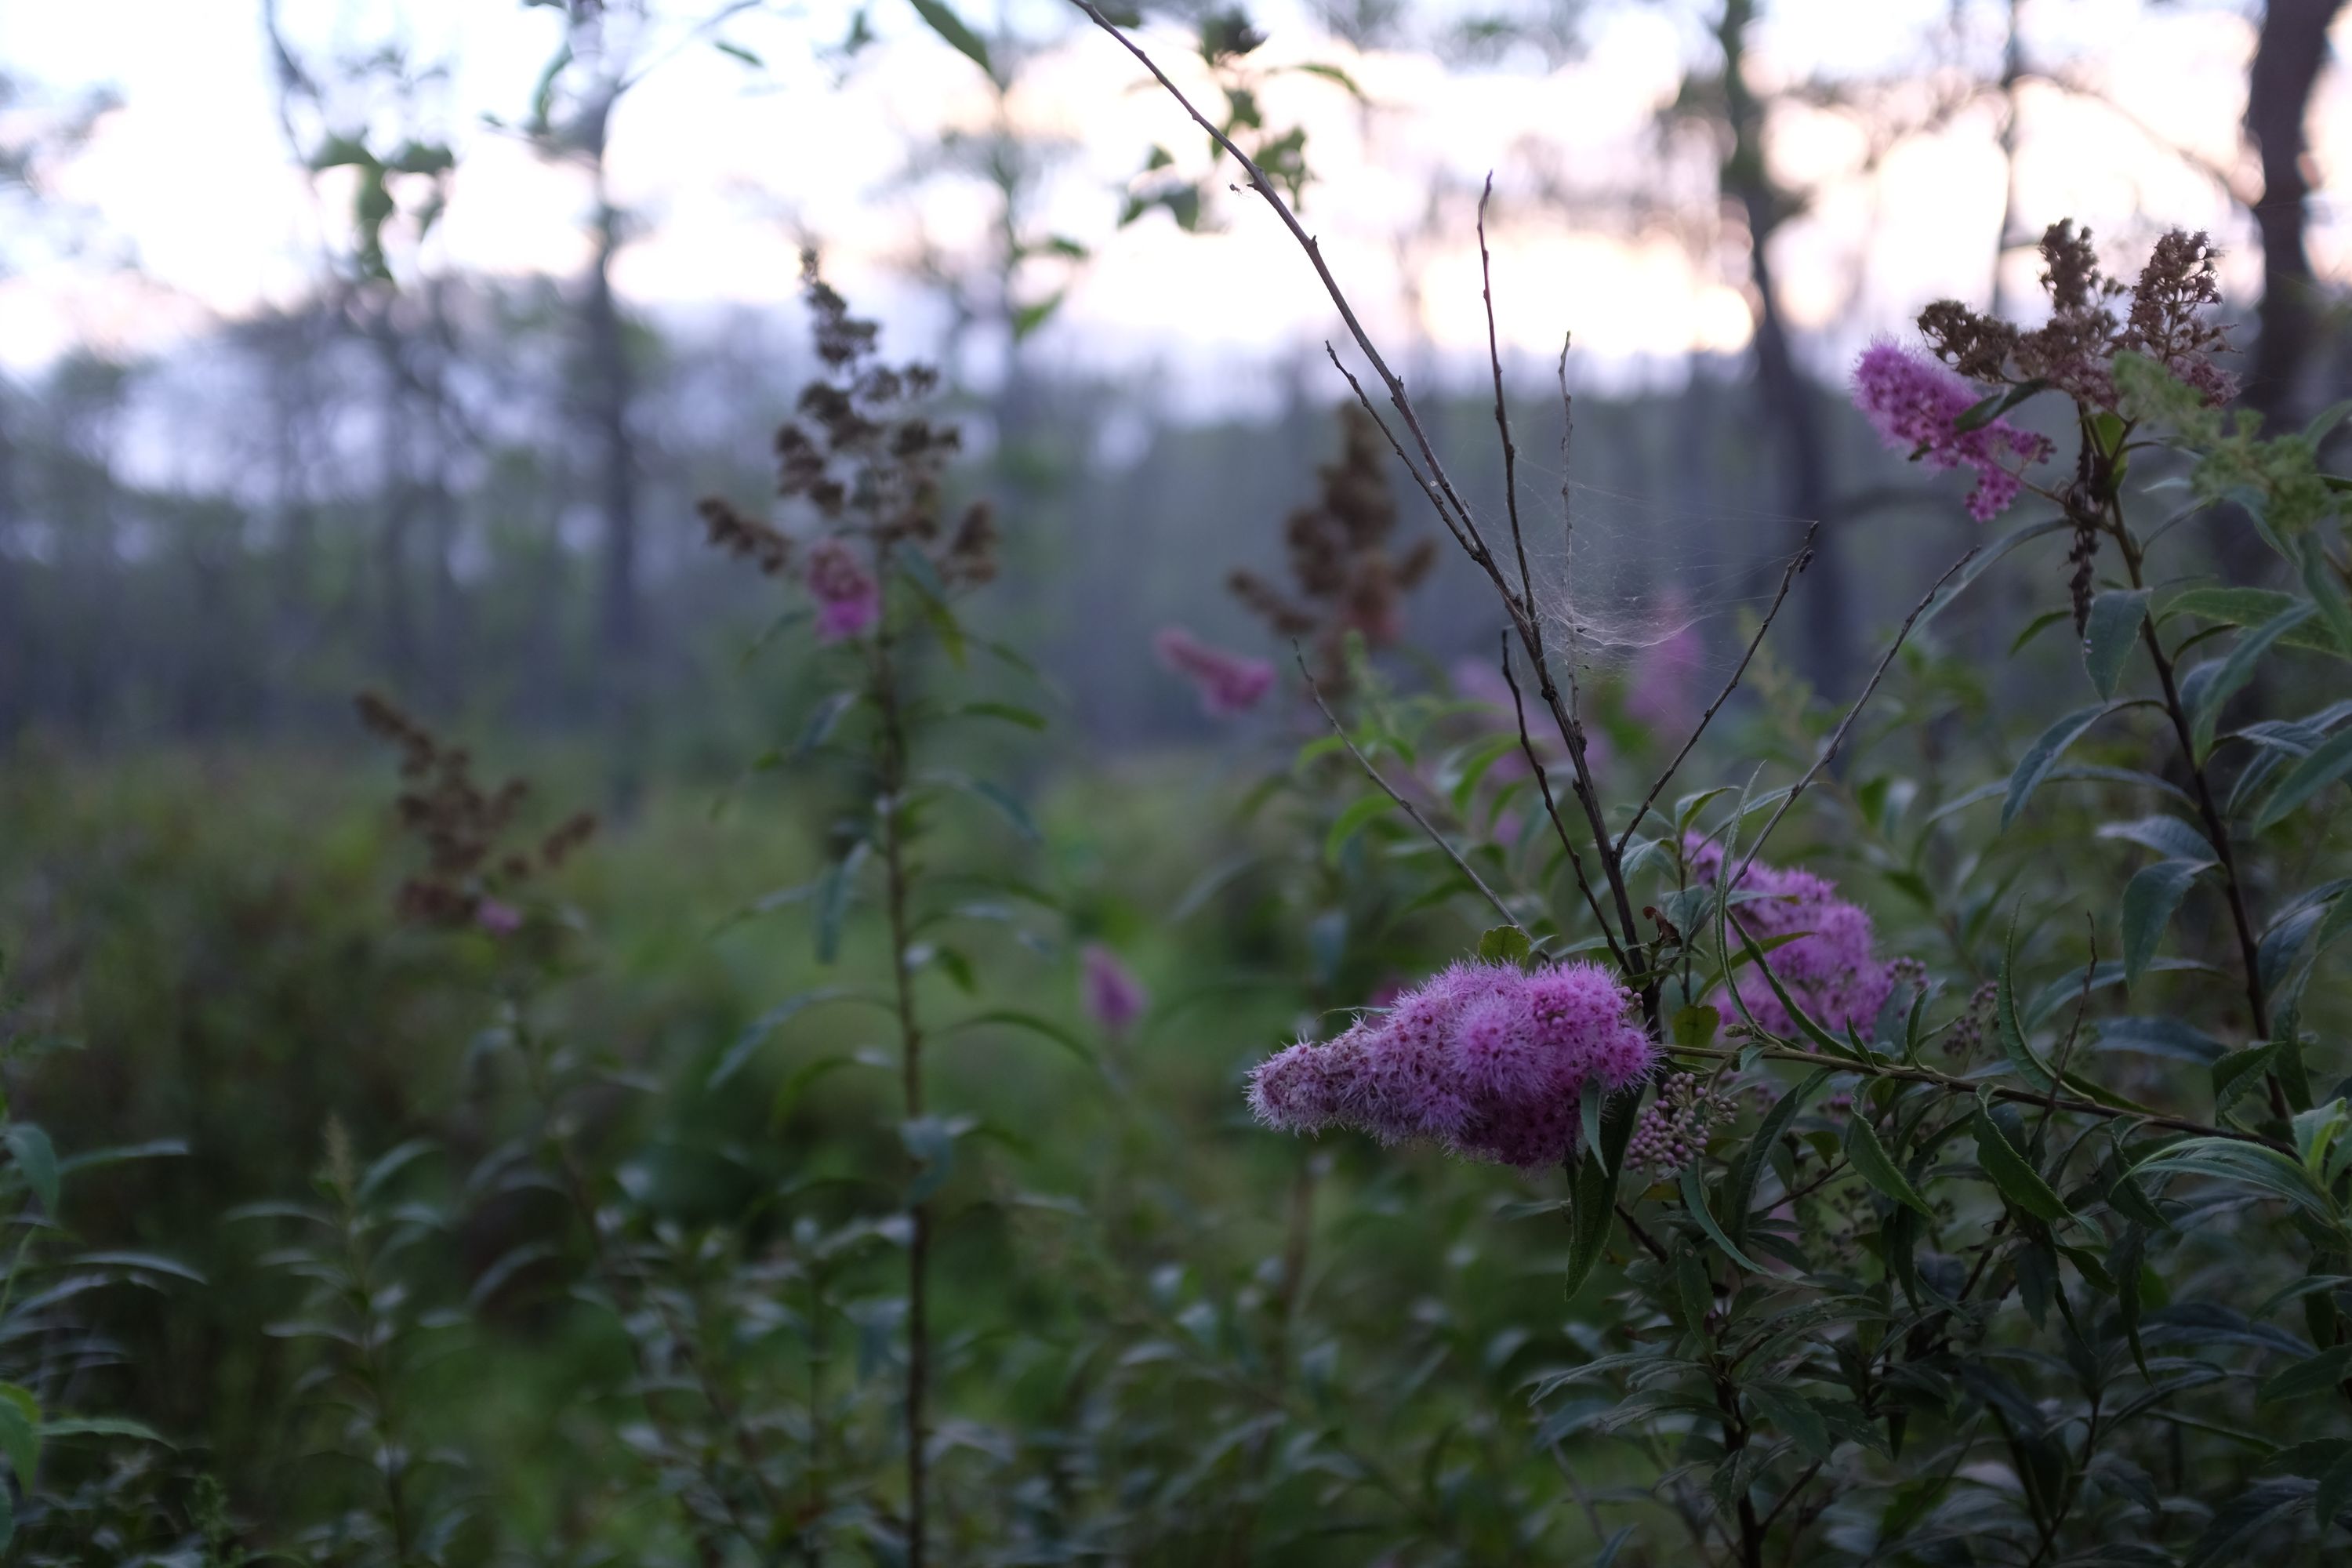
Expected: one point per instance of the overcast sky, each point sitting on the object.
(188, 205)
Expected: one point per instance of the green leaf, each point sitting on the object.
(2239, 669)
(1044, 1028)
(2044, 754)
(837, 885)
(2153, 894)
(1695, 1025)
(2335, 1490)
(1592, 1211)
(2238, 1071)
(1503, 945)
(2008, 1171)
(1029, 318)
(950, 27)
(1351, 822)
(2252, 607)
(1694, 1201)
(1795, 1416)
(29, 1147)
(2108, 635)
(1874, 1164)
(2246, 1164)
(2008, 1028)
(1009, 713)
(1739, 1194)
(2313, 1374)
(2158, 1036)
(2239, 1520)
(20, 1436)
(1982, 559)
(2329, 761)
(767, 1023)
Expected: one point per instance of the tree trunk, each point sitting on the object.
(2291, 48)
(608, 366)
(1788, 399)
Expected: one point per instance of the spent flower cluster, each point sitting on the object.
(1485, 1060)
(1345, 577)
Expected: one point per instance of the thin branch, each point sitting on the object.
(1264, 187)
(2066, 1050)
(1797, 563)
(1950, 1085)
(1441, 493)
(1543, 782)
(1837, 737)
(1502, 414)
(1410, 809)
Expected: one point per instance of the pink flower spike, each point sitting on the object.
(497, 919)
(1915, 403)
(1229, 683)
(1485, 1060)
(1114, 998)
(848, 599)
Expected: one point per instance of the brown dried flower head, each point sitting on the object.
(1344, 576)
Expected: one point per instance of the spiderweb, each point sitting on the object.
(1634, 578)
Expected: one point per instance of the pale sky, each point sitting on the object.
(727, 165)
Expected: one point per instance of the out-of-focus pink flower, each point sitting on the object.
(1661, 688)
(1831, 971)
(1228, 683)
(1114, 998)
(497, 919)
(1485, 1060)
(1914, 402)
(848, 599)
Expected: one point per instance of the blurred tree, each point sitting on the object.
(2290, 49)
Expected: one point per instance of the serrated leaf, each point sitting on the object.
(2237, 669)
(2108, 634)
(2149, 900)
(2042, 755)
(1695, 1202)
(1871, 1162)
(2328, 762)
(36, 1160)
(2009, 1172)
(2314, 1374)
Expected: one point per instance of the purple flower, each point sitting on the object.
(1484, 1058)
(1915, 403)
(1114, 998)
(848, 599)
(1830, 970)
(1228, 683)
(497, 919)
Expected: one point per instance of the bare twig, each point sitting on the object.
(1876, 1067)
(1502, 414)
(2066, 1049)
(1543, 784)
(1440, 489)
(1837, 737)
(1264, 188)
(1797, 563)
(1410, 809)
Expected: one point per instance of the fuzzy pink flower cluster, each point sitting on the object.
(1914, 402)
(848, 599)
(1228, 683)
(1486, 1059)
(1831, 971)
